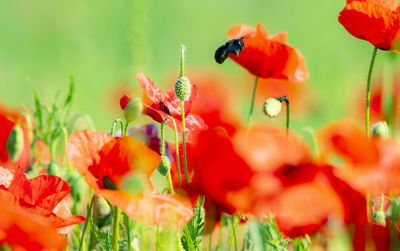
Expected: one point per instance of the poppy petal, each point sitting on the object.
(151, 92)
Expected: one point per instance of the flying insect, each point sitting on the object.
(234, 46)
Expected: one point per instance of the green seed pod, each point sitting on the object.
(53, 168)
(133, 109)
(183, 88)
(164, 166)
(380, 129)
(15, 143)
(379, 218)
(272, 107)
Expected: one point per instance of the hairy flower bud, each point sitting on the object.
(15, 143)
(379, 218)
(183, 88)
(380, 129)
(272, 107)
(164, 166)
(133, 109)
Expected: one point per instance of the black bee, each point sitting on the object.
(232, 46)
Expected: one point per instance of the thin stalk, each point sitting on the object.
(184, 143)
(371, 66)
(88, 214)
(114, 125)
(234, 232)
(182, 63)
(252, 104)
(176, 146)
(115, 233)
(368, 208)
(284, 98)
(314, 143)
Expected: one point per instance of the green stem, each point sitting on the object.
(182, 63)
(371, 66)
(184, 143)
(284, 98)
(381, 205)
(234, 232)
(115, 233)
(252, 103)
(114, 124)
(123, 133)
(88, 214)
(176, 146)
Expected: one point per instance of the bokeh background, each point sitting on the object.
(105, 43)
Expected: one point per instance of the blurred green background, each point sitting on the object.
(104, 43)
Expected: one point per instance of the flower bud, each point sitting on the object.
(164, 166)
(183, 88)
(272, 107)
(380, 129)
(53, 168)
(133, 109)
(15, 143)
(379, 218)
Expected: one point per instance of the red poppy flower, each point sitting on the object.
(159, 106)
(377, 21)
(24, 230)
(285, 182)
(7, 122)
(105, 162)
(371, 165)
(268, 56)
(44, 195)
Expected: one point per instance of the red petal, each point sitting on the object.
(151, 93)
(124, 101)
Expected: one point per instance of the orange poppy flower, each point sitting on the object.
(159, 106)
(24, 230)
(377, 21)
(105, 162)
(7, 122)
(371, 165)
(44, 195)
(268, 56)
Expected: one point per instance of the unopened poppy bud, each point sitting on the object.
(53, 168)
(380, 129)
(164, 166)
(183, 88)
(133, 109)
(379, 218)
(272, 107)
(15, 143)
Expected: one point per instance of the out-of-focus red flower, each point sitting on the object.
(24, 230)
(286, 182)
(268, 56)
(159, 106)
(215, 103)
(377, 21)
(263, 172)
(44, 195)
(371, 165)
(8, 118)
(103, 159)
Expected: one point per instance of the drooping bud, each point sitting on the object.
(133, 109)
(379, 218)
(380, 129)
(164, 166)
(272, 107)
(15, 143)
(183, 88)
